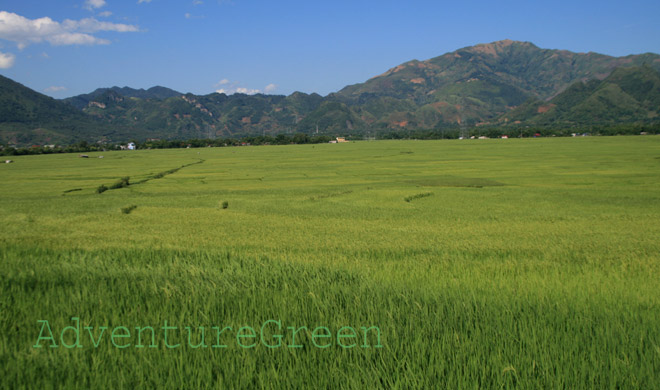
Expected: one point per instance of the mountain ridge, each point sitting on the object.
(157, 92)
(625, 94)
(500, 83)
(27, 117)
(499, 75)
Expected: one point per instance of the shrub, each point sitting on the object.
(417, 196)
(123, 182)
(127, 210)
(225, 204)
(101, 189)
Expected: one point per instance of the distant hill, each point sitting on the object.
(471, 86)
(208, 116)
(504, 83)
(82, 101)
(28, 117)
(477, 84)
(626, 95)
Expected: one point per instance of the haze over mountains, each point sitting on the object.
(504, 83)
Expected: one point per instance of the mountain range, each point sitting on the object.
(82, 101)
(504, 84)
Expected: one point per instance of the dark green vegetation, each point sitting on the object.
(128, 209)
(534, 265)
(121, 183)
(417, 196)
(280, 139)
(626, 95)
(491, 86)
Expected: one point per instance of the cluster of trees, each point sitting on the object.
(526, 131)
(83, 146)
(79, 147)
(280, 139)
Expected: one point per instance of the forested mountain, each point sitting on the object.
(82, 101)
(28, 117)
(627, 94)
(477, 84)
(504, 83)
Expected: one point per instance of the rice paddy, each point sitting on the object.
(521, 263)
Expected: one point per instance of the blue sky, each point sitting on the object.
(68, 47)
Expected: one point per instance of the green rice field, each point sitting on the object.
(457, 264)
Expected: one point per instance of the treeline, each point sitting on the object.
(84, 147)
(80, 147)
(280, 139)
(525, 132)
(300, 138)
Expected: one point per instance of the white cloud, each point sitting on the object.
(191, 16)
(54, 89)
(93, 4)
(24, 31)
(198, 2)
(91, 25)
(68, 39)
(144, 1)
(247, 91)
(270, 88)
(231, 91)
(105, 14)
(6, 60)
(229, 88)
